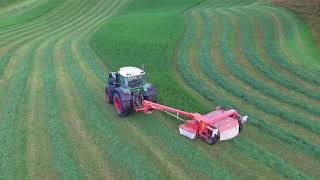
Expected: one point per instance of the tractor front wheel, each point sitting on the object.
(108, 96)
(120, 106)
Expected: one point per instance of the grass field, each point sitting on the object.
(255, 57)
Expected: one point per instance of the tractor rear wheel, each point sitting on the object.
(120, 106)
(108, 96)
(212, 140)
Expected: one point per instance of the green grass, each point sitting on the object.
(4, 3)
(55, 123)
(116, 37)
(126, 41)
(34, 13)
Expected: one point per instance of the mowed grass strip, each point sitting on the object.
(143, 137)
(232, 88)
(202, 162)
(38, 150)
(255, 156)
(281, 78)
(60, 133)
(241, 24)
(95, 164)
(297, 42)
(265, 91)
(29, 15)
(132, 166)
(22, 81)
(115, 58)
(206, 65)
(251, 59)
(271, 46)
(173, 160)
(13, 54)
(236, 69)
(214, 54)
(201, 86)
(51, 19)
(9, 133)
(184, 69)
(19, 8)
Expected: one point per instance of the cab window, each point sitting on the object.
(124, 81)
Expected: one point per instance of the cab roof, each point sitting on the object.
(130, 71)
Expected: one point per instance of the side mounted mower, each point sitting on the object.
(128, 91)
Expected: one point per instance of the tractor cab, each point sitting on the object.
(128, 87)
(128, 77)
(131, 77)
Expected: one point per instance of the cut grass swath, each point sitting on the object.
(254, 58)
(191, 77)
(232, 88)
(184, 69)
(9, 117)
(271, 46)
(30, 15)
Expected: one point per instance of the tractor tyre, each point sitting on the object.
(151, 98)
(108, 96)
(211, 140)
(120, 106)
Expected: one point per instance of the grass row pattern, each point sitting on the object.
(200, 87)
(197, 85)
(232, 88)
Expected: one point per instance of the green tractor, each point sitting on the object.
(127, 88)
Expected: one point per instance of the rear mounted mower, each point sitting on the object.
(128, 91)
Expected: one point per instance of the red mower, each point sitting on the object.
(128, 91)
